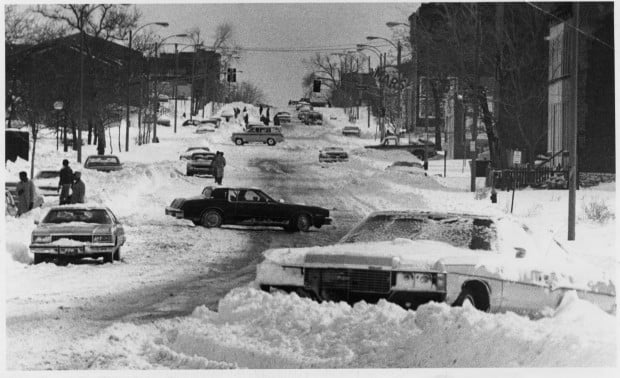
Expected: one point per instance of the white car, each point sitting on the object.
(205, 128)
(413, 257)
(47, 182)
(190, 150)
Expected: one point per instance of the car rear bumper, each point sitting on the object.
(177, 213)
(73, 250)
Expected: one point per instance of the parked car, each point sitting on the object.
(413, 257)
(200, 162)
(190, 150)
(10, 207)
(163, 121)
(191, 122)
(47, 182)
(215, 121)
(351, 130)
(303, 105)
(410, 167)
(259, 133)
(246, 206)
(313, 118)
(78, 231)
(104, 163)
(206, 127)
(333, 154)
(303, 114)
(284, 117)
(333, 117)
(11, 187)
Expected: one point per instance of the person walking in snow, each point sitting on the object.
(218, 167)
(26, 192)
(246, 118)
(267, 118)
(78, 188)
(64, 185)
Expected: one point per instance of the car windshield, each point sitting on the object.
(458, 231)
(99, 216)
(48, 174)
(102, 160)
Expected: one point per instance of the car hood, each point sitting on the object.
(396, 254)
(72, 227)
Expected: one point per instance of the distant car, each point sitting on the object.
(414, 257)
(302, 114)
(78, 231)
(47, 182)
(259, 133)
(333, 117)
(104, 163)
(191, 122)
(410, 167)
(205, 128)
(11, 187)
(10, 207)
(215, 121)
(246, 206)
(200, 162)
(303, 105)
(313, 118)
(333, 154)
(163, 121)
(190, 150)
(284, 117)
(351, 130)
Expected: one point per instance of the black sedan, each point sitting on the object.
(246, 206)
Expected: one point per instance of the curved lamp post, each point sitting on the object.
(163, 24)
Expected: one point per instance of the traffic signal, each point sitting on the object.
(317, 86)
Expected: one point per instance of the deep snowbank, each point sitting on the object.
(254, 329)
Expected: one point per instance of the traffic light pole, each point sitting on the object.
(176, 83)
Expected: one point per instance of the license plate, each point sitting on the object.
(70, 250)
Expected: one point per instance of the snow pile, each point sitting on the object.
(254, 329)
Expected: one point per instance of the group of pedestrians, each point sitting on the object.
(72, 188)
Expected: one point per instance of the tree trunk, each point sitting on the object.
(100, 139)
(487, 118)
(437, 103)
(90, 130)
(34, 150)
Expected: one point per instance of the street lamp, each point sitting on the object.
(157, 46)
(163, 24)
(58, 105)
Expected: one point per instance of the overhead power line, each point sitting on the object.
(582, 32)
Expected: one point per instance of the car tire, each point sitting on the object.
(271, 142)
(108, 258)
(303, 222)
(239, 142)
(39, 258)
(211, 219)
(188, 173)
(476, 298)
(117, 254)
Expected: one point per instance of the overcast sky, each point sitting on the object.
(335, 26)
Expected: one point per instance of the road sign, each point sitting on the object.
(516, 157)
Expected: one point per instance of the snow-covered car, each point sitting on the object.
(410, 167)
(78, 231)
(284, 117)
(191, 122)
(190, 150)
(333, 154)
(246, 206)
(351, 130)
(413, 257)
(11, 187)
(47, 182)
(104, 163)
(205, 128)
(201, 162)
(163, 121)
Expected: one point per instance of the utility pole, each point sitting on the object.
(79, 135)
(572, 177)
(128, 86)
(399, 109)
(191, 100)
(176, 83)
(474, 126)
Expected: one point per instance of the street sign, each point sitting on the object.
(516, 157)
(58, 105)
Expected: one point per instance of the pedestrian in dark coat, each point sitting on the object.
(218, 167)
(260, 111)
(276, 120)
(64, 185)
(26, 192)
(78, 189)
(246, 117)
(267, 118)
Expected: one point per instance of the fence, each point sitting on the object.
(540, 177)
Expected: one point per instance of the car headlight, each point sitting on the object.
(421, 281)
(41, 238)
(102, 239)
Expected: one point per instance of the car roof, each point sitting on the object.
(236, 188)
(103, 156)
(80, 206)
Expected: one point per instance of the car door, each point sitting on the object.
(250, 206)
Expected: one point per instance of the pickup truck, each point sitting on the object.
(259, 133)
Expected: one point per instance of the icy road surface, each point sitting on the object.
(182, 296)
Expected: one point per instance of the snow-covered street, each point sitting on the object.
(183, 296)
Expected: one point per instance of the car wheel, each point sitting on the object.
(117, 254)
(39, 258)
(108, 258)
(188, 173)
(239, 142)
(211, 219)
(271, 142)
(478, 298)
(303, 222)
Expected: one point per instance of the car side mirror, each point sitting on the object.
(520, 252)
